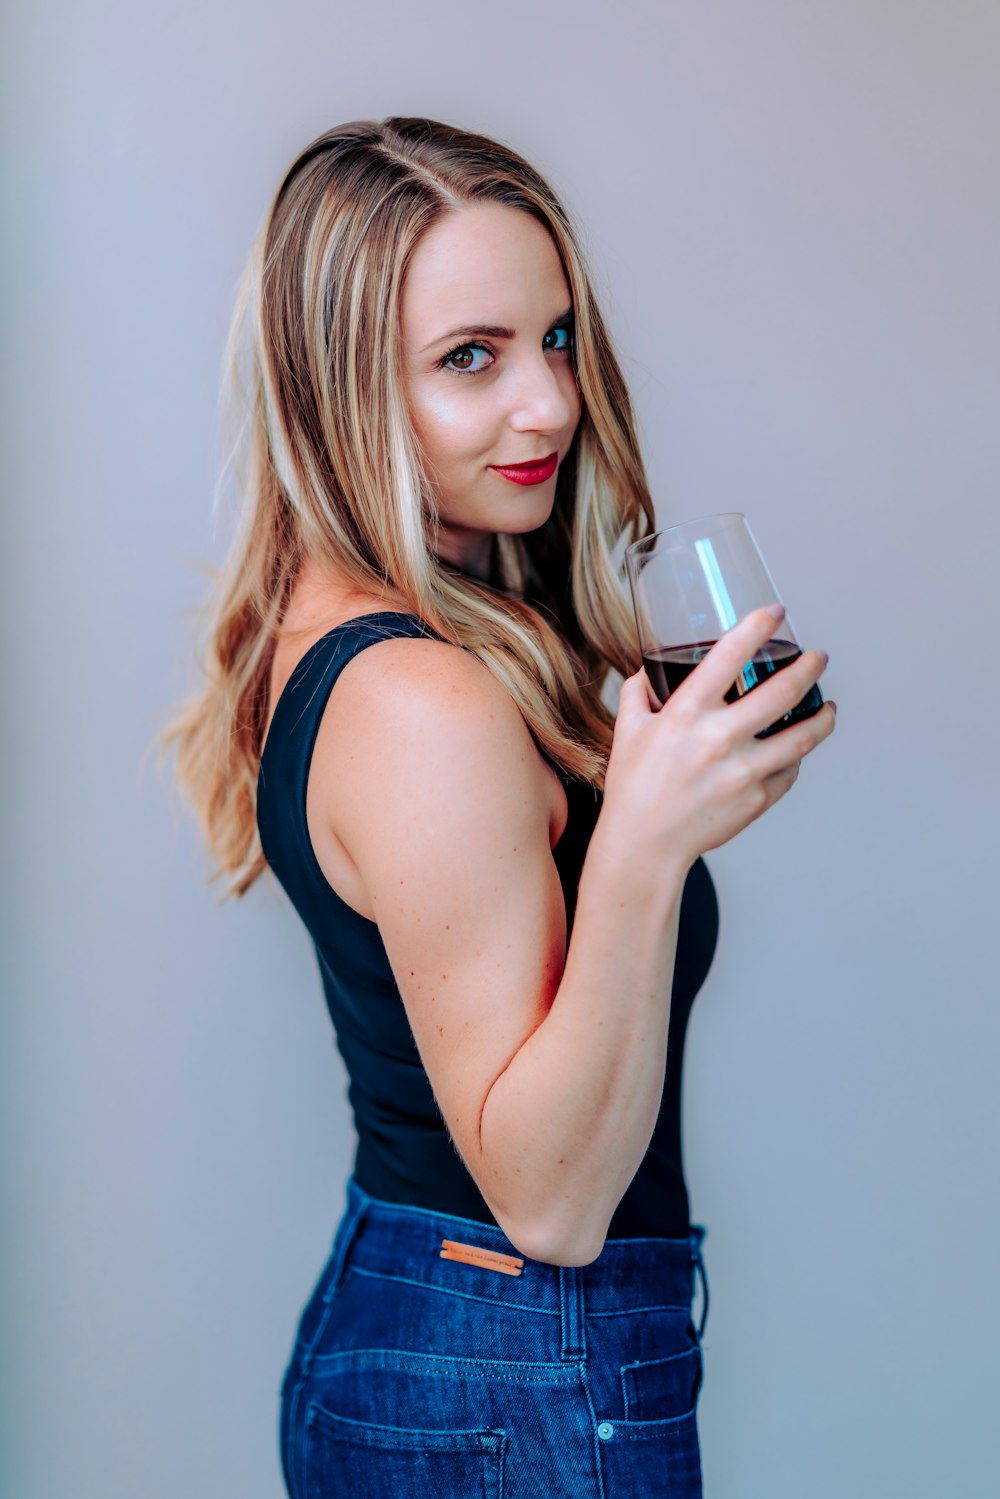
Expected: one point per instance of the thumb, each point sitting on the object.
(635, 696)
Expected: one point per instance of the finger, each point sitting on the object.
(791, 745)
(635, 694)
(715, 673)
(780, 782)
(774, 697)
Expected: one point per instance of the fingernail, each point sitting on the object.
(833, 705)
(777, 611)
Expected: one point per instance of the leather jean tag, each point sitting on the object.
(487, 1259)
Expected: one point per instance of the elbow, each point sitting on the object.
(567, 1241)
(551, 1247)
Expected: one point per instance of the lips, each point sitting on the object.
(535, 472)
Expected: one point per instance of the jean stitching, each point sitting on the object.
(350, 1233)
(595, 1440)
(646, 1363)
(517, 1306)
(488, 1438)
(294, 1444)
(630, 1311)
(574, 1332)
(406, 1361)
(406, 1280)
(648, 1430)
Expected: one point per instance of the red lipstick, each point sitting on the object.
(529, 473)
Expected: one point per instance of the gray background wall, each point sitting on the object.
(792, 214)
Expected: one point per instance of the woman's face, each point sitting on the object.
(478, 400)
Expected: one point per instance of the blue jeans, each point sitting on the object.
(433, 1359)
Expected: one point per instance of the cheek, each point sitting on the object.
(449, 425)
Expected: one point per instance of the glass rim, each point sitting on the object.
(646, 542)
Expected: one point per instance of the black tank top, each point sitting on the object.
(404, 1151)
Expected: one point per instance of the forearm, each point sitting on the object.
(566, 1125)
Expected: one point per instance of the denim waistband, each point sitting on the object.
(414, 1244)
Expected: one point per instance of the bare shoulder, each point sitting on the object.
(414, 681)
(417, 719)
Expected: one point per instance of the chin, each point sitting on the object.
(537, 500)
(534, 523)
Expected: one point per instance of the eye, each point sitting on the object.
(566, 328)
(462, 352)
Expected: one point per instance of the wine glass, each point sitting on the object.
(690, 583)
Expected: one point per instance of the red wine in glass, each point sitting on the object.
(667, 667)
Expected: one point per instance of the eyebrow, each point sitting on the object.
(486, 330)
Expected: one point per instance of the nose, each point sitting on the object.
(545, 397)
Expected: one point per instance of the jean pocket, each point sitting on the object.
(662, 1389)
(643, 1459)
(655, 1449)
(353, 1459)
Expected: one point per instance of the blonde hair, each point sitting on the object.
(334, 473)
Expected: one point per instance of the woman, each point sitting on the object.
(503, 879)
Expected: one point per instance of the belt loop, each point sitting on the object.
(574, 1333)
(698, 1232)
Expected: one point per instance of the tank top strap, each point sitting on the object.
(291, 737)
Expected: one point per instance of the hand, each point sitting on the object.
(689, 777)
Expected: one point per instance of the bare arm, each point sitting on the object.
(571, 1117)
(547, 1065)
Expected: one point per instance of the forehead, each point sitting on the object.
(482, 263)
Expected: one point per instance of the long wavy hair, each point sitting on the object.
(330, 469)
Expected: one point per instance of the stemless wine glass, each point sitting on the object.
(690, 583)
